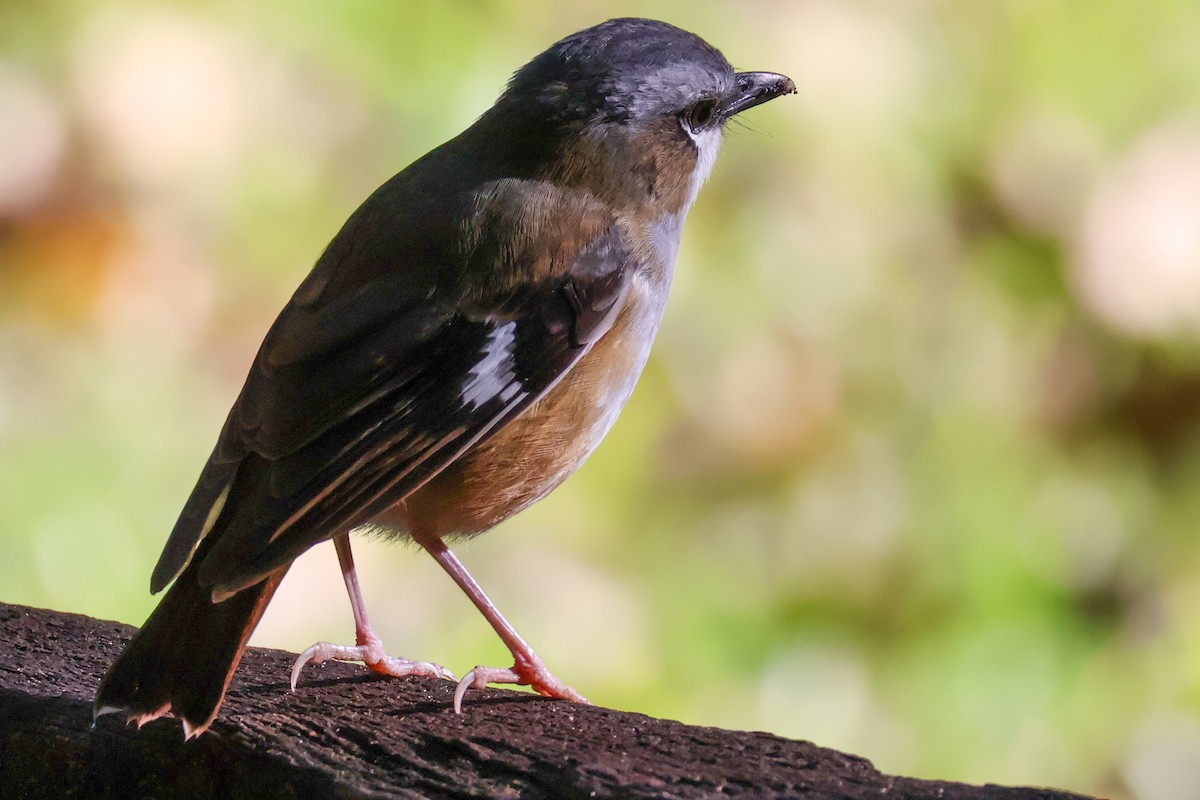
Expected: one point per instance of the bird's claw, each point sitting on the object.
(372, 654)
(532, 674)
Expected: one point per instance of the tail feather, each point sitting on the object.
(199, 516)
(183, 658)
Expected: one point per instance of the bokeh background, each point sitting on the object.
(914, 471)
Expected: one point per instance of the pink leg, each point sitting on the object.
(369, 647)
(527, 669)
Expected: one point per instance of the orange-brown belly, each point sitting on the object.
(538, 450)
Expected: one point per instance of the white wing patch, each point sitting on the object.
(494, 375)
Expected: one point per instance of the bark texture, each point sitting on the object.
(349, 734)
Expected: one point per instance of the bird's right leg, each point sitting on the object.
(369, 649)
(528, 669)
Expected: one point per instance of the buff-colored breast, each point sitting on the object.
(537, 451)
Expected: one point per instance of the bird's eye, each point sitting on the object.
(700, 115)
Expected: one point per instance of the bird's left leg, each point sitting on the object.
(369, 648)
(527, 669)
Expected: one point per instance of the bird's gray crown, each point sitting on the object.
(623, 70)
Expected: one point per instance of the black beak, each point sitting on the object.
(756, 88)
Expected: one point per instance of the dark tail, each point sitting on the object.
(183, 658)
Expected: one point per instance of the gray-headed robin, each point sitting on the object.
(459, 349)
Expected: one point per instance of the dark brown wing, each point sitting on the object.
(356, 400)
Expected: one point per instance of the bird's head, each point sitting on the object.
(631, 110)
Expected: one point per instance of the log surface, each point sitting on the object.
(350, 734)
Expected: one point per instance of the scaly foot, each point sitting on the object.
(371, 653)
(532, 673)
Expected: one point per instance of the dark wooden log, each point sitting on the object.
(349, 734)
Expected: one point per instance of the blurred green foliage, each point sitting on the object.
(915, 469)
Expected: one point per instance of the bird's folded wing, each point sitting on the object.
(358, 398)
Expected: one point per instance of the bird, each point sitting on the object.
(459, 349)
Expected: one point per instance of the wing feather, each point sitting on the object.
(333, 427)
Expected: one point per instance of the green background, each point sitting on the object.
(914, 471)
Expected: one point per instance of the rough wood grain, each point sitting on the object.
(349, 734)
